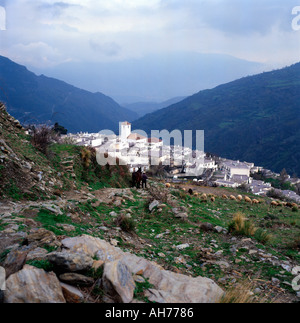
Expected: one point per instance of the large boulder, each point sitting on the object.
(168, 287)
(117, 282)
(33, 285)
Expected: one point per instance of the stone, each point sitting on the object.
(118, 282)
(206, 227)
(66, 261)
(37, 254)
(94, 247)
(72, 294)
(153, 205)
(219, 229)
(33, 285)
(66, 227)
(41, 237)
(168, 286)
(183, 246)
(15, 260)
(76, 279)
(182, 215)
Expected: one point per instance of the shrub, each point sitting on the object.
(295, 209)
(263, 236)
(42, 138)
(242, 226)
(125, 223)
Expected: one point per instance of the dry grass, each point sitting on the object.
(243, 292)
(242, 226)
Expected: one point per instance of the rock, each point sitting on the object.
(37, 254)
(206, 227)
(257, 291)
(41, 237)
(182, 216)
(97, 264)
(15, 260)
(33, 285)
(76, 279)
(70, 262)
(72, 294)
(153, 205)
(219, 229)
(183, 246)
(168, 286)
(113, 214)
(93, 247)
(52, 208)
(118, 282)
(66, 227)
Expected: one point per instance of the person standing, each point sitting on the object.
(144, 180)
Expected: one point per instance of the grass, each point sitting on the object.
(140, 289)
(41, 264)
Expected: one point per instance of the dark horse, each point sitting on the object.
(137, 178)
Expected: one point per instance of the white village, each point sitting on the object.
(179, 163)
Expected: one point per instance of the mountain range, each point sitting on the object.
(143, 108)
(155, 77)
(254, 119)
(39, 99)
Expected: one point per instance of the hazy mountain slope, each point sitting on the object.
(156, 77)
(143, 108)
(256, 119)
(39, 99)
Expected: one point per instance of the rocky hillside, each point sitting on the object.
(90, 239)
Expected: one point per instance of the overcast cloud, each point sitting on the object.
(48, 33)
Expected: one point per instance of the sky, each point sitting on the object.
(49, 32)
(45, 34)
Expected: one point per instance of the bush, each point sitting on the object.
(263, 236)
(42, 138)
(125, 223)
(275, 194)
(242, 226)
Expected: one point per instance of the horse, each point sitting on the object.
(137, 178)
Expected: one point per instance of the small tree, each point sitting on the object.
(60, 130)
(43, 136)
(283, 176)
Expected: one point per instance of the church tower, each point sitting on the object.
(125, 130)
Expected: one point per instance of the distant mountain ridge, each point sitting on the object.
(154, 77)
(256, 119)
(143, 108)
(40, 99)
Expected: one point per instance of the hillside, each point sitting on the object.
(143, 108)
(256, 119)
(79, 234)
(155, 77)
(40, 99)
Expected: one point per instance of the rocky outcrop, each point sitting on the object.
(168, 287)
(33, 285)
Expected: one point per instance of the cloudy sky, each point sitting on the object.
(49, 32)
